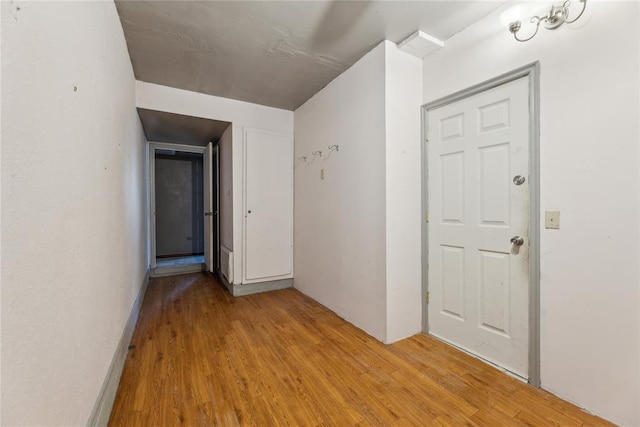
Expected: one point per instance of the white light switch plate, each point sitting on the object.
(552, 219)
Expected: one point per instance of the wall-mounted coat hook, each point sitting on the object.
(303, 158)
(332, 148)
(317, 154)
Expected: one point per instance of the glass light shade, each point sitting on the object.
(517, 13)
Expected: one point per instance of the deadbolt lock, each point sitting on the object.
(518, 180)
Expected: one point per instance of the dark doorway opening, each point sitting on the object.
(179, 197)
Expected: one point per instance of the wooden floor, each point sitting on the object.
(200, 357)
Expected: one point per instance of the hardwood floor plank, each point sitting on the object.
(200, 357)
(488, 417)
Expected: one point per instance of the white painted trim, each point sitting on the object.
(229, 264)
(101, 411)
(177, 147)
(225, 282)
(256, 288)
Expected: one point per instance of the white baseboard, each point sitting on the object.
(255, 288)
(225, 282)
(238, 290)
(104, 403)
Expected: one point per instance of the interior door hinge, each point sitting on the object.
(426, 136)
(427, 297)
(426, 216)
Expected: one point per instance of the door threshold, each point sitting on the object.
(174, 271)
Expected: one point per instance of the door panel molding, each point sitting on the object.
(532, 73)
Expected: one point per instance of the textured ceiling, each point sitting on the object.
(179, 129)
(276, 53)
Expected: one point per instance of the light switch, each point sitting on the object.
(552, 219)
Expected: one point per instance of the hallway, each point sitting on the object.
(202, 357)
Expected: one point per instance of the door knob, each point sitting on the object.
(517, 240)
(208, 214)
(518, 180)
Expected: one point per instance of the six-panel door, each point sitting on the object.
(478, 278)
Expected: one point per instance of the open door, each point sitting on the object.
(211, 222)
(202, 189)
(215, 250)
(208, 206)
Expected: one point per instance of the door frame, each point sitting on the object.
(151, 192)
(532, 72)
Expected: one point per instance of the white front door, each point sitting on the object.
(478, 278)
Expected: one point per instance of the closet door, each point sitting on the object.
(268, 206)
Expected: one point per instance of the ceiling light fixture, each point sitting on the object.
(557, 15)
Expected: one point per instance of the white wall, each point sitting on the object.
(589, 96)
(73, 206)
(339, 222)
(226, 188)
(357, 231)
(240, 114)
(403, 94)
